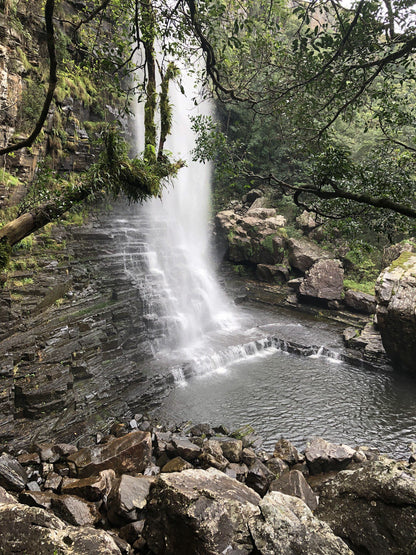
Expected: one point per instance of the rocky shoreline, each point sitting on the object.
(145, 489)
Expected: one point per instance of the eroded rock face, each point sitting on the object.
(396, 311)
(324, 281)
(198, 511)
(373, 507)
(288, 527)
(12, 474)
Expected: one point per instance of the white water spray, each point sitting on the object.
(190, 299)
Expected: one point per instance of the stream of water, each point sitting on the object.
(227, 366)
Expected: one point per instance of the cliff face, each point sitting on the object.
(72, 333)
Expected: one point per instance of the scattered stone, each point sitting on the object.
(176, 465)
(74, 510)
(322, 456)
(286, 451)
(277, 466)
(127, 498)
(132, 531)
(202, 430)
(288, 527)
(231, 448)
(93, 488)
(12, 474)
(186, 449)
(199, 511)
(259, 477)
(293, 483)
(248, 456)
(130, 453)
(27, 459)
(237, 471)
(42, 499)
(212, 455)
(53, 481)
(32, 486)
(118, 429)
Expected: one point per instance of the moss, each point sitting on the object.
(363, 287)
(401, 262)
(268, 244)
(5, 252)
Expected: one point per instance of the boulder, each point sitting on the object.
(322, 456)
(127, 498)
(93, 488)
(293, 483)
(200, 511)
(303, 254)
(259, 477)
(392, 253)
(130, 453)
(272, 274)
(33, 530)
(237, 471)
(176, 464)
(360, 302)
(324, 281)
(373, 507)
(286, 451)
(251, 196)
(231, 448)
(75, 510)
(276, 466)
(186, 449)
(288, 527)
(212, 455)
(396, 311)
(254, 237)
(12, 474)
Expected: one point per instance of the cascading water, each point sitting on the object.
(185, 298)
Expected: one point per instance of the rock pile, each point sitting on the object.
(201, 490)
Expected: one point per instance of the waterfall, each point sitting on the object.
(186, 299)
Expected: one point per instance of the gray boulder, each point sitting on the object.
(396, 311)
(130, 453)
(288, 527)
(373, 507)
(360, 302)
(324, 281)
(303, 254)
(293, 483)
(286, 451)
(127, 498)
(33, 530)
(12, 474)
(200, 511)
(322, 456)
